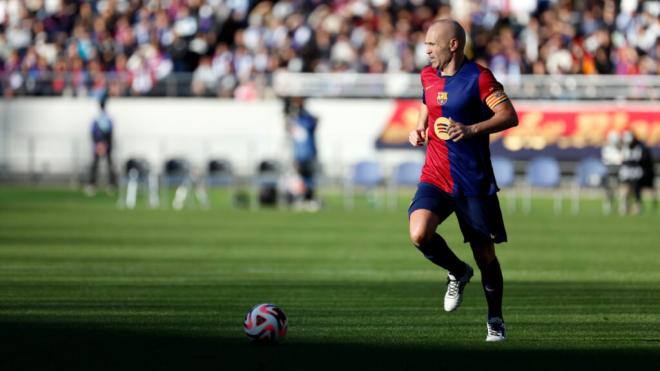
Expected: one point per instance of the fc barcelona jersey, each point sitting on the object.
(463, 167)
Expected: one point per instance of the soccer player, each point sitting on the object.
(462, 104)
(636, 172)
(102, 139)
(301, 126)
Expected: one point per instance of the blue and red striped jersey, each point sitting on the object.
(463, 167)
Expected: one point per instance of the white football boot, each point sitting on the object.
(454, 294)
(496, 329)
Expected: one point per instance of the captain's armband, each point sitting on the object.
(495, 98)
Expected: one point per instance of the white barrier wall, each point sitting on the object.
(52, 135)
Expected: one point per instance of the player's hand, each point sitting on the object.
(417, 137)
(458, 131)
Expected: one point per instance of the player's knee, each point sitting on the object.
(484, 253)
(484, 260)
(419, 236)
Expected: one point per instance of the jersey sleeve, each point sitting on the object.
(421, 78)
(491, 91)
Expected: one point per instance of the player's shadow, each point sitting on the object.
(40, 345)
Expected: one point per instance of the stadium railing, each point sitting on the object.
(347, 85)
(403, 85)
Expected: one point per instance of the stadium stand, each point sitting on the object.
(137, 175)
(232, 48)
(543, 172)
(506, 179)
(366, 175)
(590, 172)
(405, 174)
(266, 183)
(220, 174)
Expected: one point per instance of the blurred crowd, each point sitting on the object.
(230, 48)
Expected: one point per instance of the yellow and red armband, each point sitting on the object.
(495, 98)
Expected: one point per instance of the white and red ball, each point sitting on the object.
(265, 323)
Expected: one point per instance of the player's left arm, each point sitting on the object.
(504, 117)
(492, 94)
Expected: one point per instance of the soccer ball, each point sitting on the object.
(265, 323)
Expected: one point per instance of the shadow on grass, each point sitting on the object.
(32, 346)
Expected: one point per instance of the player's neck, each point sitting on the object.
(453, 66)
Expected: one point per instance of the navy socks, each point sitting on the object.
(437, 251)
(493, 284)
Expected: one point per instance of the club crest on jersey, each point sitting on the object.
(442, 98)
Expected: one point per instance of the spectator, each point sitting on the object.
(301, 127)
(612, 157)
(636, 173)
(204, 80)
(79, 40)
(102, 140)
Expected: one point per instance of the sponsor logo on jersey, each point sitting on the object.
(440, 127)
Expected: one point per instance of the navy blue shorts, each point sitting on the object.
(479, 217)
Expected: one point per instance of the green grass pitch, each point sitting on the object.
(84, 285)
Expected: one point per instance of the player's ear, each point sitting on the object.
(453, 44)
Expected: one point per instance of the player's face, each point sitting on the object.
(438, 46)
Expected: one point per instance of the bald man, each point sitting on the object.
(462, 104)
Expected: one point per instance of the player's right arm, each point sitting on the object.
(417, 137)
